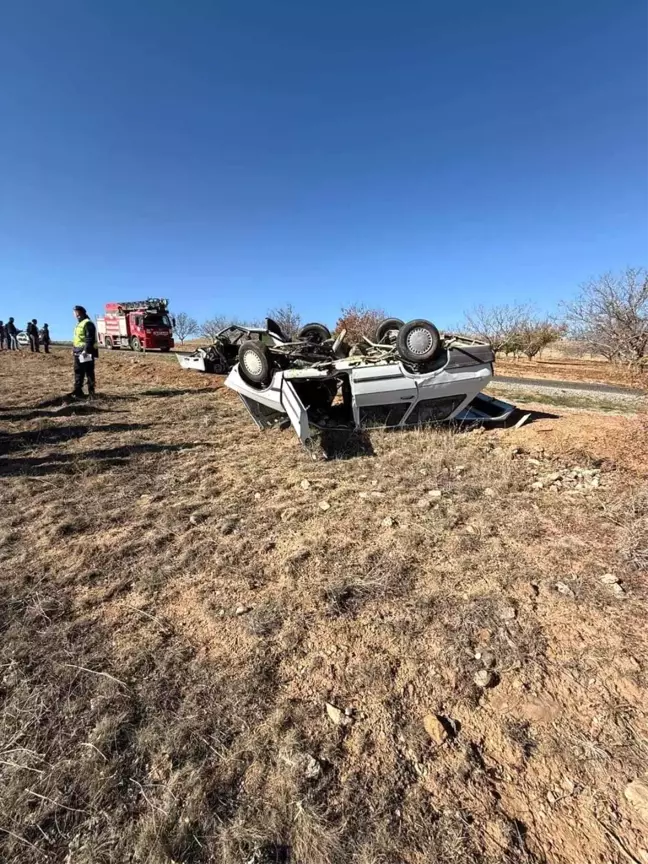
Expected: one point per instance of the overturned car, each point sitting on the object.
(407, 376)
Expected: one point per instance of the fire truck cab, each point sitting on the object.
(141, 325)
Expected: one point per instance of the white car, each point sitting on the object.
(414, 376)
(22, 338)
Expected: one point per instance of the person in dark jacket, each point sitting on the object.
(45, 338)
(86, 350)
(3, 334)
(12, 335)
(32, 332)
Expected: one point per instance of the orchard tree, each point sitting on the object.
(499, 325)
(288, 319)
(210, 328)
(184, 326)
(359, 321)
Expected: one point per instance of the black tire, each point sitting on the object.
(255, 365)
(165, 350)
(136, 345)
(108, 343)
(387, 327)
(314, 333)
(418, 341)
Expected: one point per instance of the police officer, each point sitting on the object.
(32, 332)
(86, 350)
(2, 336)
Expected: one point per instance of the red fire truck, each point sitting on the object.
(141, 325)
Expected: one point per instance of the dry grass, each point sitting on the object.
(144, 720)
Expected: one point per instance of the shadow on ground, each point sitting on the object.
(69, 463)
(59, 434)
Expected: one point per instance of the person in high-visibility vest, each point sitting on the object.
(86, 350)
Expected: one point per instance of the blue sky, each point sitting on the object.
(234, 155)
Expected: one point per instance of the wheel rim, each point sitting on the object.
(252, 363)
(419, 341)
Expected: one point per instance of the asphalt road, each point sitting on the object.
(571, 385)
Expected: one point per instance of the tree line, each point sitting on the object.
(609, 317)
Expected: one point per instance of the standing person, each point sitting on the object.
(32, 332)
(2, 336)
(45, 338)
(12, 335)
(86, 350)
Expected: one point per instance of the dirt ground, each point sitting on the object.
(565, 368)
(216, 650)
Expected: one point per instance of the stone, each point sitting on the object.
(460, 469)
(485, 678)
(435, 728)
(637, 794)
(305, 484)
(336, 715)
(434, 493)
(242, 610)
(227, 526)
(487, 658)
(387, 522)
(312, 768)
(617, 590)
(374, 482)
(257, 496)
(537, 485)
(197, 518)
(324, 505)
(424, 503)
(298, 555)
(489, 493)
(507, 613)
(564, 589)
(363, 494)
(532, 461)
(609, 578)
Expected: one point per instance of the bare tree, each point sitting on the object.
(212, 327)
(359, 321)
(288, 319)
(184, 326)
(499, 325)
(534, 335)
(610, 315)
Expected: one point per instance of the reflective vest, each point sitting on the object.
(79, 340)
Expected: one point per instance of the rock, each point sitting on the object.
(609, 578)
(460, 469)
(348, 712)
(434, 493)
(363, 494)
(387, 522)
(489, 493)
(435, 728)
(564, 589)
(424, 503)
(197, 518)
(324, 505)
(305, 484)
(487, 658)
(534, 461)
(377, 494)
(637, 794)
(485, 678)
(336, 715)
(242, 610)
(507, 613)
(227, 526)
(537, 485)
(374, 482)
(312, 768)
(552, 478)
(617, 590)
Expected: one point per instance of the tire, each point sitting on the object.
(165, 350)
(136, 345)
(418, 341)
(314, 333)
(108, 343)
(254, 363)
(385, 330)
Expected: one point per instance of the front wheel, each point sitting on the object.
(254, 363)
(108, 343)
(387, 330)
(418, 341)
(314, 333)
(136, 345)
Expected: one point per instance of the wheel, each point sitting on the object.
(108, 343)
(387, 330)
(165, 350)
(136, 345)
(418, 341)
(315, 333)
(254, 363)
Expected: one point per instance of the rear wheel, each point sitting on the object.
(254, 363)
(136, 345)
(108, 343)
(418, 341)
(314, 333)
(387, 330)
